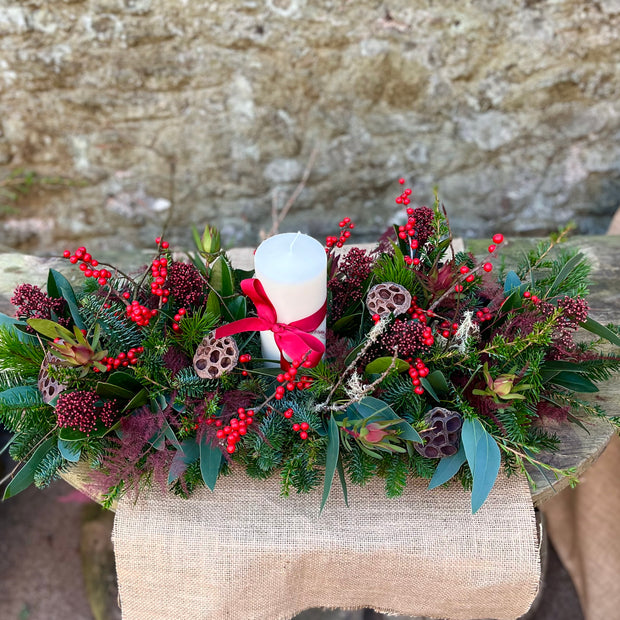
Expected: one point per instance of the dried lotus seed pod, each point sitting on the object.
(48, 386)
(388, 298)
(215, 356)
(442, 439)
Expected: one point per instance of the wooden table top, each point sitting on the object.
(579, 448)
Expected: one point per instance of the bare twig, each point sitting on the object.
(278, 218)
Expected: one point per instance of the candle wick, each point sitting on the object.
(290, 250)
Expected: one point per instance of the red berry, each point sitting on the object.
(401, 181)
(66, 254)
(304, 426)
(464, 269)
(296, 427)
(527, 294)
(303, 435)
(487, 267)
(230, 448)
(498, 238)
(492, 248)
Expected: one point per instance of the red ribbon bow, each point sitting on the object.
(291, 339)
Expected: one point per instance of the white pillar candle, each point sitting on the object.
(292, 267)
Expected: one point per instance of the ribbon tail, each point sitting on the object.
(298, 345)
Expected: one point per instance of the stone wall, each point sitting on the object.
(185, 111)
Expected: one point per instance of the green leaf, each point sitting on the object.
(125, 380)
(381, 364)
(141, 398)
(426, 384)
(69, 450)
(448, 466)
(25, 476)
(596, 328)
(210, 462)
(214, 307)
(70, 434)
(512, 281)
(438, 381)
(50, 329)
(237, 307)
(59, 287)
(109, 390)
(341, 324)
(564, 273)
(221, 277)
(484, 459)
(331, 459)
(573, 381)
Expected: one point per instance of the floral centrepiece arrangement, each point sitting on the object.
(423, 362)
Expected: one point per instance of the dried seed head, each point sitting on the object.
(388, 298)
(215, 356)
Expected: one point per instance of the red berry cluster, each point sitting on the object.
(288, 381)
(484, 314)
(177, 318)
(235, 429)
(448, 329)
(159, 273)
(88, 265)
(302, 429)
(123, 359)
(497, 239)
(244, 358)
(139, 314)
(464, 269)
(417, 371)
(346, 225)
(163, 244)
(531, 297)
(408, 231)
(417, 312)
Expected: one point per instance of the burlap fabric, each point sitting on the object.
(244, 553)
(583, 526)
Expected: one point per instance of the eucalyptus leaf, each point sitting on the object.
(25, 476)
(447, 467)
(511, 282)
(18, 328)
(343, 481)
(210, 462)
(187, 454)
(69, 450)
(484, 459)
(331, 459)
